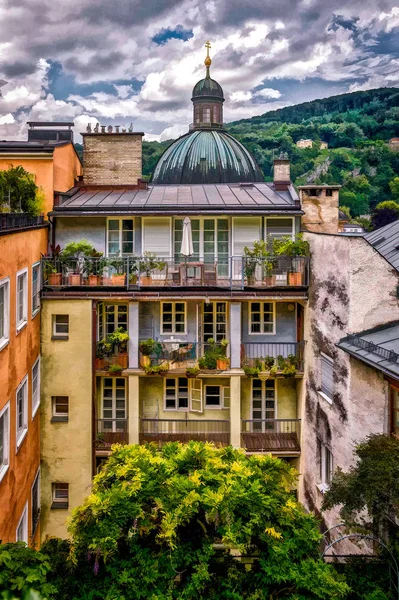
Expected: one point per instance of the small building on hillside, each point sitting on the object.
(304, 143)
(394, 144)
(323, 146)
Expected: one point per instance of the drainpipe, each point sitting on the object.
(93, 385)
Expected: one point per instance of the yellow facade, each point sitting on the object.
(66, 447)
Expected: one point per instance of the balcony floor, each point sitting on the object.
(220, 439)
(270, 442)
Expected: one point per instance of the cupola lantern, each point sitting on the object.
(208, 100)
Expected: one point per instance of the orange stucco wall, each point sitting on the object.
(52, 173)
(17, 251)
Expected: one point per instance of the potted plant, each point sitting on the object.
(148, 264)
(94, 266)
(133, 271)
(270, 278)
(222, 362)
(74, 254)
(103, 352)
(115, 369)
(192, 372)
(251, 372)
(293, 248)
(118, 278)
(118, 340)
(252, 258)
(52, 267)
(157, 369)
(147, 348)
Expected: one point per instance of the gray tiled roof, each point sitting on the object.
(378, 347)
(234, 197)
(386, 241)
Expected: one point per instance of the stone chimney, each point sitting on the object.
(320, 205)
(281, 173)
(111, 156)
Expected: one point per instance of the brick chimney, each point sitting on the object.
(320, 205)
(111, 156)
(281, 173)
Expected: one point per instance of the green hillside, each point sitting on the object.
(357, 128)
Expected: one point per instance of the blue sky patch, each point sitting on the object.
(178, 33)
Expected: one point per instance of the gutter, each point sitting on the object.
(172, 210)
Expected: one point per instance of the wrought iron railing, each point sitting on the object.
(11, 221)
(271, 435)
(135, 273)
(254, 353)
(162, 431)
(368, 346)
(111, 431)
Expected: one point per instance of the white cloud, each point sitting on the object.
(240, 96)
(269, 93)
(7, 119)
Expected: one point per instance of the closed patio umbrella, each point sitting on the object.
(187, 239)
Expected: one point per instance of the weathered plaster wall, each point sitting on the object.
(66, 447)
(351, 290)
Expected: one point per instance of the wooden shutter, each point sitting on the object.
(157, 236)
(196, 395)
(246, 231)
(226, 396)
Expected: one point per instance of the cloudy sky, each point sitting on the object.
(125, 61)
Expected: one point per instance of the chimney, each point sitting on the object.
(112, 157)
(320, 205)
(281, 173)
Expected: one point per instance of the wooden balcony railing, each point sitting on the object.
(271, 435)
(252, 353)
(135, 273)
(161, 431)
(111, 431)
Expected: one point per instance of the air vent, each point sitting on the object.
(381, 239)
(246, 184)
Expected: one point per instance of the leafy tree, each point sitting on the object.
(18, 190)
(384, 213)
(22, 570)
(192, 521)
(394, 186)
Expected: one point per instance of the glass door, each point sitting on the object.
(263, 404)
(113, 403)
(214, 323)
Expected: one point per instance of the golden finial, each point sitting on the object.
(208, 60)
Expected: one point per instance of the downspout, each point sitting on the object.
(93, 385)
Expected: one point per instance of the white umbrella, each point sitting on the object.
(187, 239)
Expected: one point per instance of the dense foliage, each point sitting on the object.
(19, 193)
(356, 126)
(21, 569)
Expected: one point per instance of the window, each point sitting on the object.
(60, 493)
(60, 406)
(176, 393)
(22, 410)
(210, 242)
(22, 299)
(120, 238)
(113, 404)
(206, 114)
(214, 321)
(22, 529)
(35, 386)
(279, 228)
(110, 318)
(173, 317)
(61, 326)
(35, 502)
(35, 289)
(262, 317)
(263, 404)
(326, 466)
(327, 377)
(329, 192)
(4, 312)
(217, 396)
(4, 440)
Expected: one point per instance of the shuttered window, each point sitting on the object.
(327, 375)
(157, 236)
(246, 231)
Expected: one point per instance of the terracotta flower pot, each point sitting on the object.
(75, 279)
(100, 364)
(55, 279)
(222, 364)
(270, 280)
(94, 280)
(294, 278)
(145, 361)
(122, 359)
(144, 280)
(118, 279)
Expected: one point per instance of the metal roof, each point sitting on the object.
(206, 157)
(386, 241)
(22, 146)
(377, 347)
(243, 198)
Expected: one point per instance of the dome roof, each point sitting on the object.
(206, 157)
(209, 88)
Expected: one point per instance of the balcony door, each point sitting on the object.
(113, 403)
(111, 317)
(213, 322)
(210, 242)
(263, 404)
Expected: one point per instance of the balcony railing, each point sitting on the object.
(373, 348)
(174, 352)
(135, 273)
(271, 435)
(253, 353)
(115, 357)
(111, 431)
(11, 221)
(162, 431)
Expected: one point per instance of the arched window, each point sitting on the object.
(206, 114)
(197, 118)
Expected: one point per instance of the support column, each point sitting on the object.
(134, 410)
(133, 335)
(235, 335)
(235, 411)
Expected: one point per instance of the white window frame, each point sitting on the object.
(326, 358)
(262, 305)
(21, 433)
(5, 414)
(113, 418)
(54, 404)
(279, 217)
(36, 479)
(56, 500)
(120, 219)
(202, 220)
(24, 521)
(224, 395)
(55, 334)
(36, 393)
(4, 340)
(264, 399)
(326, 467)
(176, 407)
(173, 332)
(196, 395)
(36, 310)
(21, 323)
